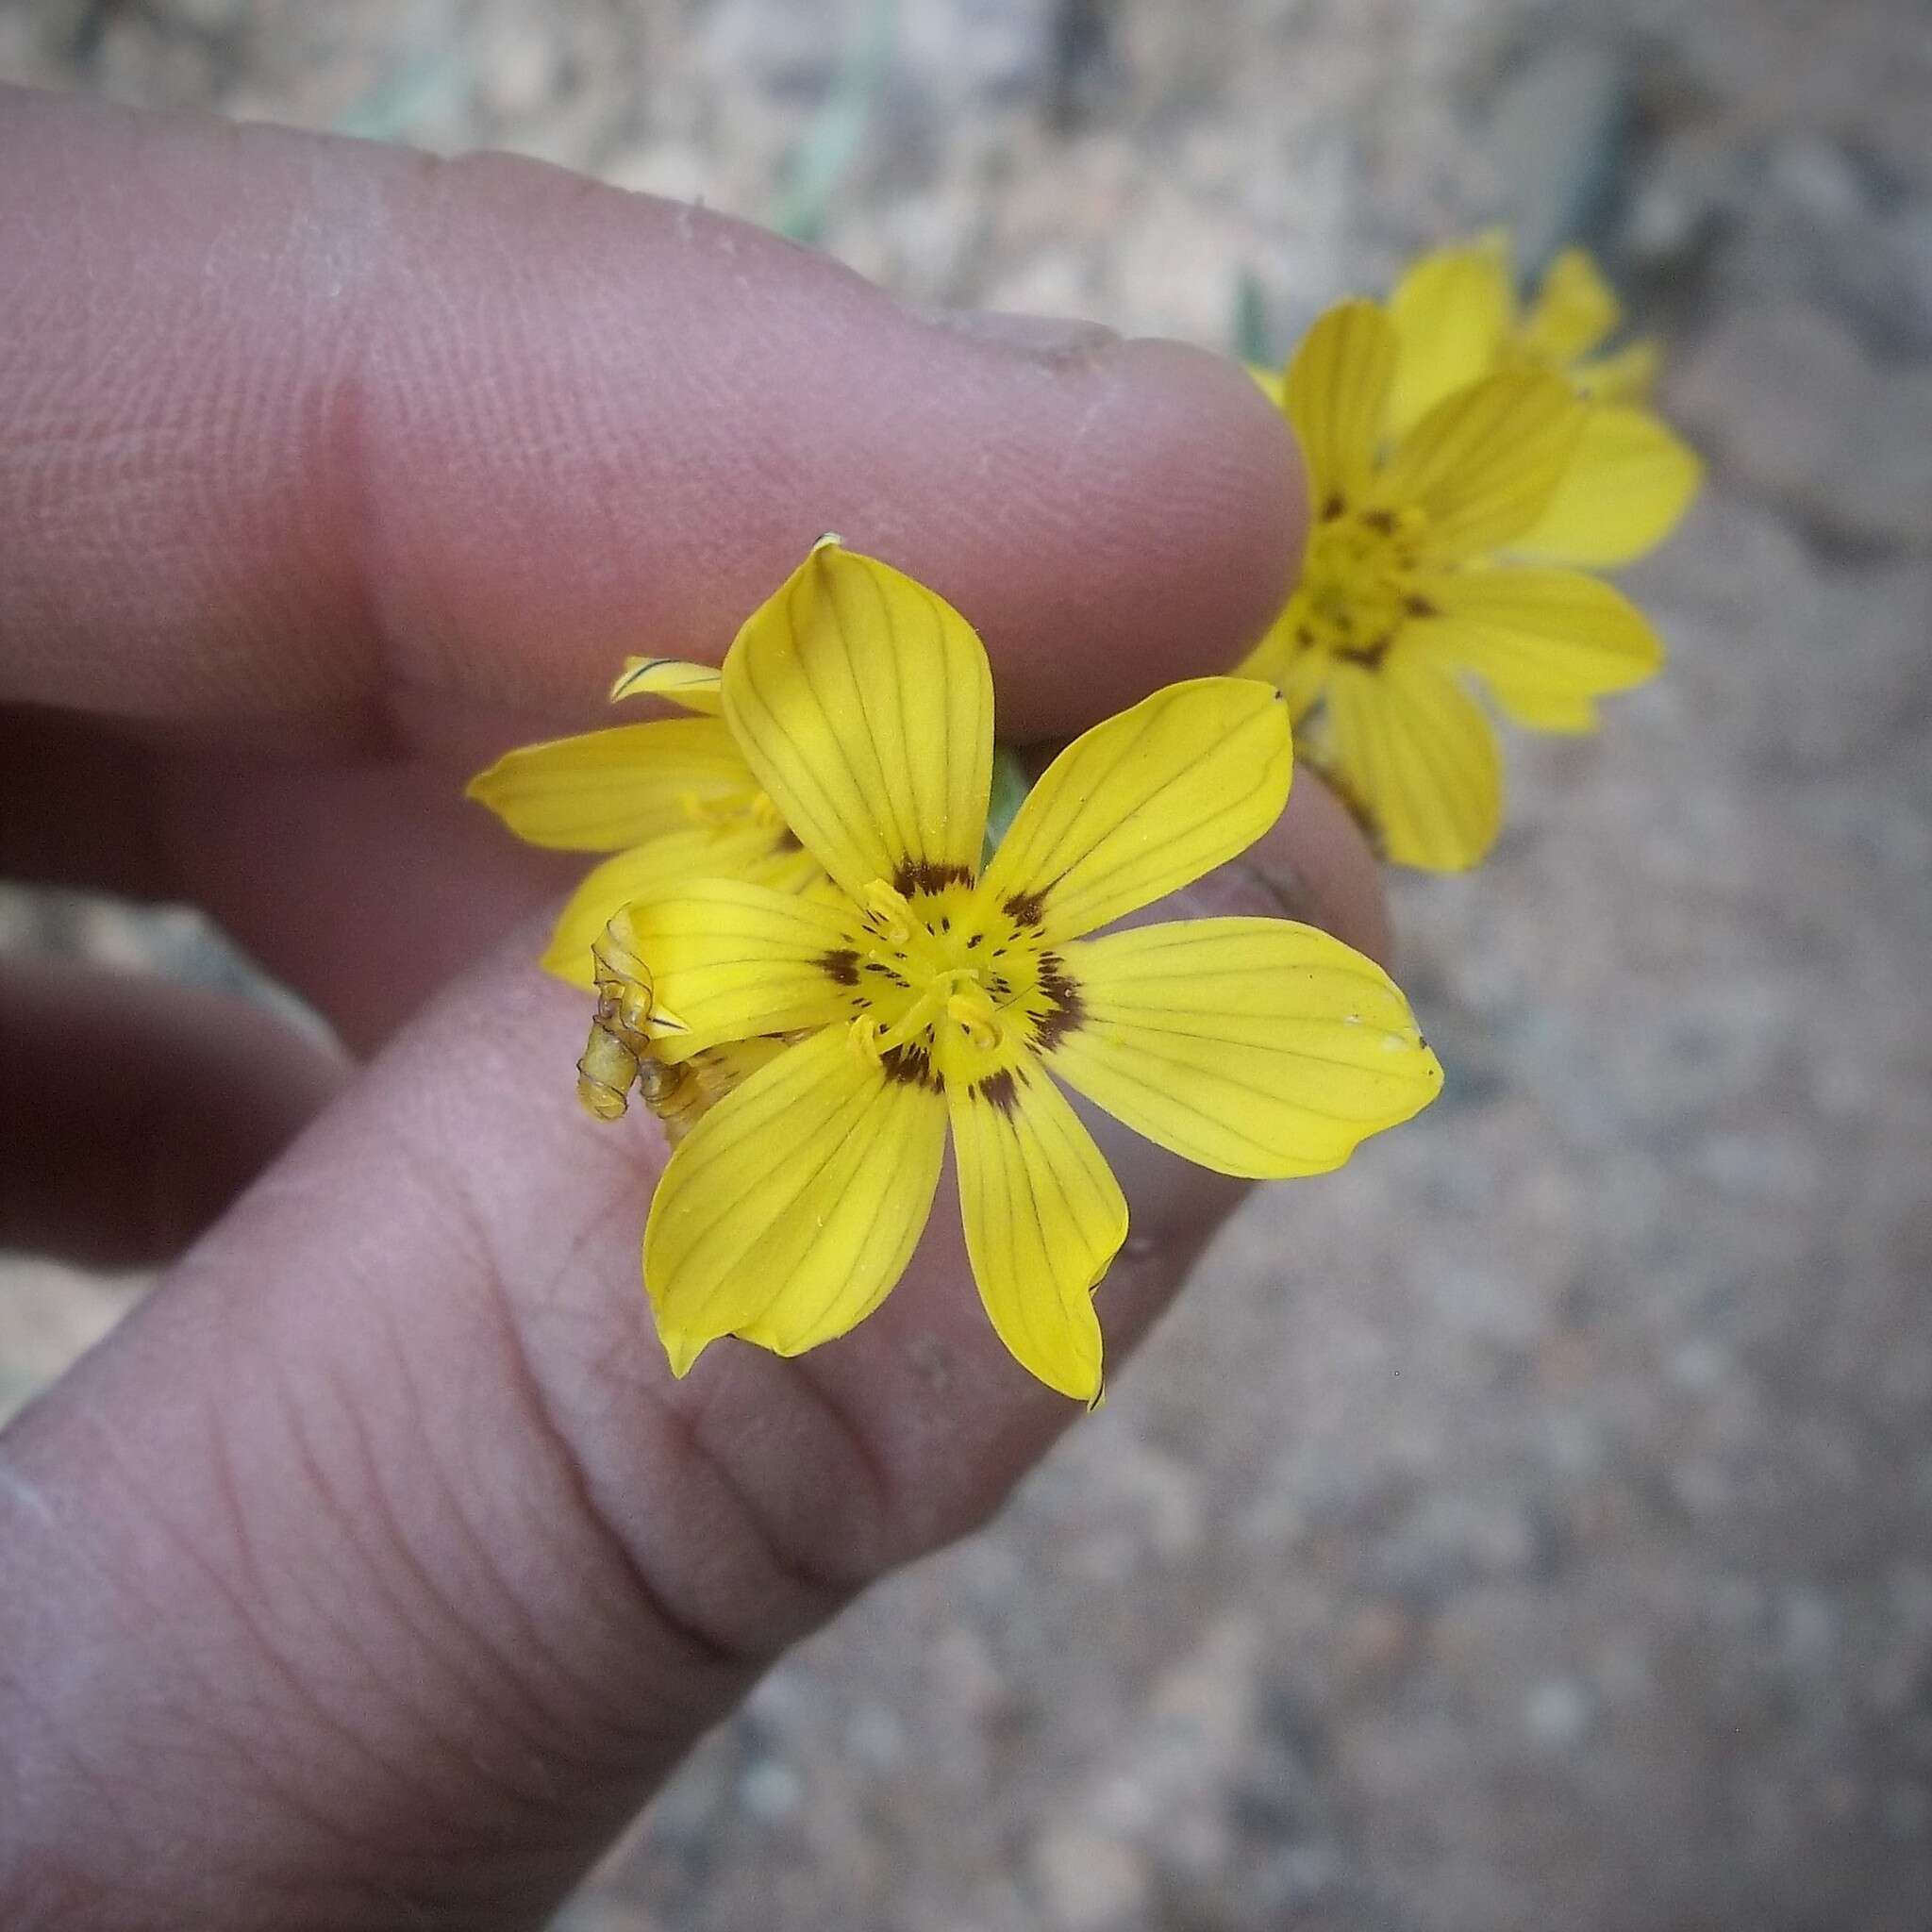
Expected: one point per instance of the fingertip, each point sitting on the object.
(1176, 524)
(1108, 514)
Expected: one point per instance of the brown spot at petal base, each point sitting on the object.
(1068, 1009)
(1026, 909)
(927, 876)
(908, 1066)
(840, 967)
(1055, 1026)
(1001, 1088)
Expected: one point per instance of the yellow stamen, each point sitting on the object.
(890, 912)
(918, 1016)
(953, 993)
(969, 1007)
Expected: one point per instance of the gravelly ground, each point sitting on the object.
(1529, 1527)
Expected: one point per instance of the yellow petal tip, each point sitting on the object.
(691, 686)
(483, 784)
(1076, 1381)
(681, 1352)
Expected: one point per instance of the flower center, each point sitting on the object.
(923, 972)
(949, 988)
(1358, 581)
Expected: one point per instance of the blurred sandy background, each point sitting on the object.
(1531, 1527)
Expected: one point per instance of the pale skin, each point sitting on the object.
(376, 1571)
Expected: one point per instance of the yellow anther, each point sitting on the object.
(890, 909)
(967, 1006)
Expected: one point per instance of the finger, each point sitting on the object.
(133, 1111)
(363, 884)
(1319, 866)
(313, 429)
(387, 1515)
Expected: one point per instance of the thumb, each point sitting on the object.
(386, 1515)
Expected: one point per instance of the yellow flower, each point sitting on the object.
(929, 990)
(1405, 589)
(672, 799)
(1457, 318)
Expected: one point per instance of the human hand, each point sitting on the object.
(376, 1568)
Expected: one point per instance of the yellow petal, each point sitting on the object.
(1271, 382)
(692, 686)
(747, 851)
(730, 959)
(1045, 1218)
(1536, 635)
(864, 704)
(1624, 375)
(1337, 395)
(793, 1204)
(607, 789)
(1282, 661)
(1537, 707)
(1143, 802)
(1483, 463)
(1574, 309)
(1415, 752)
(1452, 311)
(1253, 1046)
(1626, 487)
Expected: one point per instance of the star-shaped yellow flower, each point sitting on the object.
(1408, 588)
(929, 991)
(672, 798)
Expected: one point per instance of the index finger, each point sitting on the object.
(306, 426)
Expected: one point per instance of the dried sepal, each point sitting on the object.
(698, 1084)
(620, 1052)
